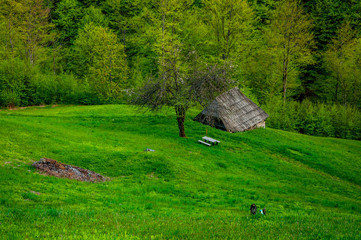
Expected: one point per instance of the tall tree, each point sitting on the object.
(230, 21)
(259, 73)
(174, 83)
(342, 60)
(99, 57)
(356, 88)
(263, 9)
(327, 16)
(182, 85)
(67, 19)
(122, 14)
(136, 22)
(36, 30)
(171, 60)
(291, 39)
(10, 12)
(28, 29)
(95, 16)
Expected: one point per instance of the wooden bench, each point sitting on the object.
(210, 140)
(200, 141)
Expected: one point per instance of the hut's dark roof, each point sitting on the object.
(232, 111)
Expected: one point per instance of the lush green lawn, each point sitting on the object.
(310, 186)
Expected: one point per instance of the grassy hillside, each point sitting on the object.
(310, 186)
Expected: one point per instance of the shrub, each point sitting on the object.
(63, 88)
(44, 89)
(282, 116)
(14, 80)
(318, 119)
(9, 98)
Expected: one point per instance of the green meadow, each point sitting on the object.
(310, 186)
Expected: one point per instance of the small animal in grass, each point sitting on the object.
(253, 209)
(263, 211)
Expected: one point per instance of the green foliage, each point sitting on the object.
(231, 24)
(328, 16)
(99, 51)
(9, 98)
(15, 77)
(67, 19)
(27, 28)
(342, 60)
(290, 39)
(258, 71)
(95, 16)
(50, 89)
(264, 10)
(129, 20)
(327, 120)
(21, 85)
(10, 21)
(100, 59)
(249, 93)
(282, 116)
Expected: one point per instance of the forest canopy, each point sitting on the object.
(282, 53)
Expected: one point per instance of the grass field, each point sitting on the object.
(310, 186)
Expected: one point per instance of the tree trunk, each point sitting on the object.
(285, 74)
(10, 38)
(180, 120)
(336, 88)
(110, 67)
(54, 54)
(29, 45)
(226, 50)
(123, 33)
(181, 115)
(284, 85)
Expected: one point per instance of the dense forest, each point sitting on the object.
(300, 60)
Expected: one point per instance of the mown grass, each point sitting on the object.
(310, 186)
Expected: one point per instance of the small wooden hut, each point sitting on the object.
(232, 111)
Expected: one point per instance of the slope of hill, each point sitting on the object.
(310, 186)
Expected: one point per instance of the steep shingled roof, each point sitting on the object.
(232, 111)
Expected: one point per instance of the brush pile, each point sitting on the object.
(57, 169)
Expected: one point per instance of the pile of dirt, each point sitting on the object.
(57, 169)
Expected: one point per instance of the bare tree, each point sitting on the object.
(181, 80)
(183, 83)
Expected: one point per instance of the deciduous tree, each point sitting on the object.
(67, 19)
(179, 78)
(231, 23)
(100, 58)
(342, 60)
(10, 13)
(291, 39)
(27, 28)
(36, 28)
